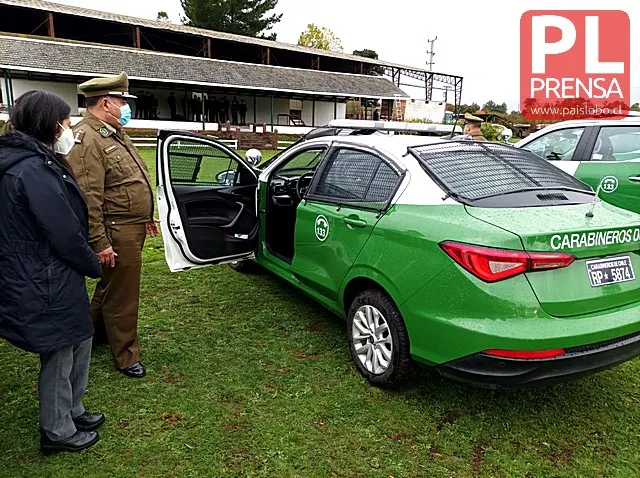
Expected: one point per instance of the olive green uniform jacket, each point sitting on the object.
(113, 177)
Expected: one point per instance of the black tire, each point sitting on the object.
(400, 364)
(243, 267)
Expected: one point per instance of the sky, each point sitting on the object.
(478, 40)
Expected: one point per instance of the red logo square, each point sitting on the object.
(574, 64)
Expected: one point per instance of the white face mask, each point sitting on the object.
(65, 142)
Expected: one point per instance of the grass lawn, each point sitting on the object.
(249, 378)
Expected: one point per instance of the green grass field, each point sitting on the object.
(249, 378)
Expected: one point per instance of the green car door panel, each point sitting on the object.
(328, 238)
(618, 181)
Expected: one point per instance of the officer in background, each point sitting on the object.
(117, 186)
(472, 127)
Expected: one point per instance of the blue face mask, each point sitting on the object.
(125, 114)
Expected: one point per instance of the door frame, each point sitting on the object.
(177, 252)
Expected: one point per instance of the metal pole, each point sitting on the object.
(313, 114)
(272, 113)
(335, 109)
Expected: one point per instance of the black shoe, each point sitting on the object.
(88, 422)
(136, 370)
(78, 442)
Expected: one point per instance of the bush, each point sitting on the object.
(490, 132)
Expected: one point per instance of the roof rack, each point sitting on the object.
(395, 126)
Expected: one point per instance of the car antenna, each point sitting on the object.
(593, 203)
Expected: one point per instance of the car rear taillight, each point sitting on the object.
(526, 354)
(492, 265)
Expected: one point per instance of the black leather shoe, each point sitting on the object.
(136, 370)
(88, 422)
(78, 442)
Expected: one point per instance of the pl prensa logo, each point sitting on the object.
(574, 64)
(322, 228)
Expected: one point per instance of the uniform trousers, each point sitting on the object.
(61, 385)
(114, 307)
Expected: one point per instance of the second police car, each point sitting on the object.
(478, 259)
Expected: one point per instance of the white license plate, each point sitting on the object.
(610, 271)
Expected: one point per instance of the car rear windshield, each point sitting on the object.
(498, 175)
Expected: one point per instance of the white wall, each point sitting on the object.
(67, 91)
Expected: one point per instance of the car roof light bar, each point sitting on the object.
(397, 126)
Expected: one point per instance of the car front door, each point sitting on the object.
(206, 201)
(562, 147)
(612, 162)
(351, 189)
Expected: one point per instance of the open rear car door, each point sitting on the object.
(207, 201)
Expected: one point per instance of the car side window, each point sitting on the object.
(302, 162)
(559, 145)
(196, 163)
(354, 176)
(617, 143)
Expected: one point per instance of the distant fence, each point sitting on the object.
(284, 144)
(151, 142)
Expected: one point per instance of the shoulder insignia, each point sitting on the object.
(110, 148)
(103, 132)
(79, 136)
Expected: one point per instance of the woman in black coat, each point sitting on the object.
(44, 258)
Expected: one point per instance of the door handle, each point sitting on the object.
(354, 222)
(635, 179)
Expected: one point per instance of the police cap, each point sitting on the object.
(469, 118)
(109, 86)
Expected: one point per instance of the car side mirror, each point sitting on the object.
(226, 178)
(253, 157)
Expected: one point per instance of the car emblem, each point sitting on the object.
(322, 228)
(609, 184)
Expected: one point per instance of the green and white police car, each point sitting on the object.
(479, 259)
(602, 153)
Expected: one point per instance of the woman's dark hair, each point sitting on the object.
(37, 113)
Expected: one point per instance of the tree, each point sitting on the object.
(163, 17)
(321, 38)
(370, 69)
(495, 107)
(250, 18)
(635, 107)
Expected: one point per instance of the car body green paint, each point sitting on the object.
(323, 264)
(449, 312)
(626, 193)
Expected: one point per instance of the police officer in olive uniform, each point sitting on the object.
(472, 127)
(117, 186)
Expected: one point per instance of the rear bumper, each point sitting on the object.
(492, 372)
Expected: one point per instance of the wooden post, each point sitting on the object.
(272, 113)
(136, 37)
(275, 139)
(50, 29)
(318, 64)
(361, 68)
(255, 112)
(335, 109)
(313, 114)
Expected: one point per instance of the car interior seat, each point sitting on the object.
(604, 148)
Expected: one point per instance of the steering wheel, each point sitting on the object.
(301, 191)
